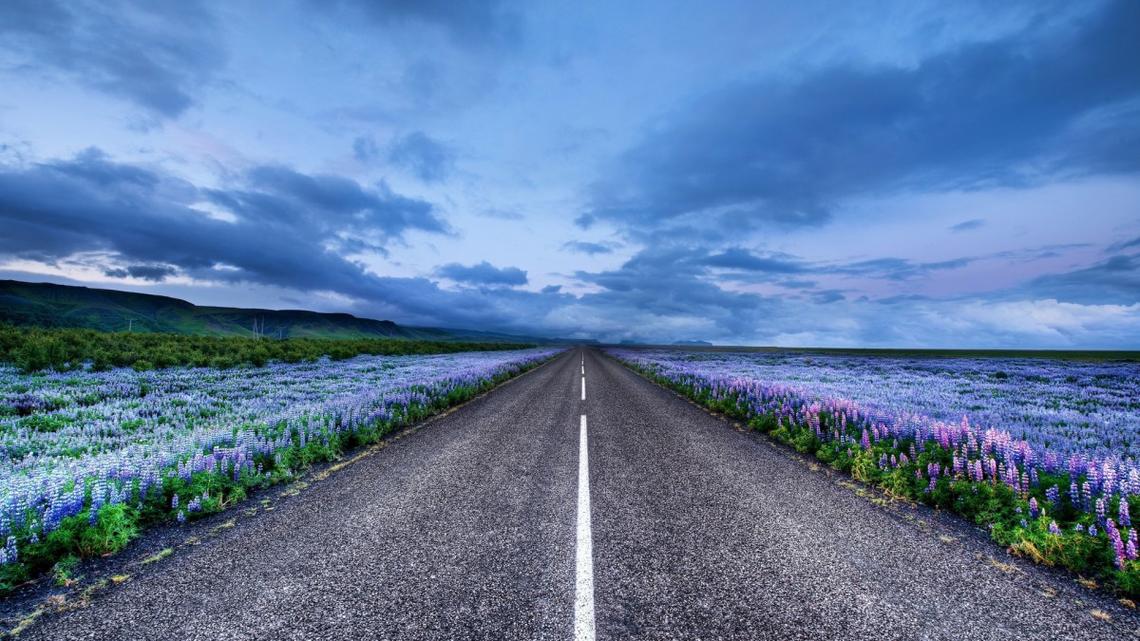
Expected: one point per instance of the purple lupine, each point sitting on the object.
(1054, 528)
(1125, 519)
(1117, 543)
(1034, 511)
(1053, 495)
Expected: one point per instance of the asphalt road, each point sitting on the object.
(475, 526)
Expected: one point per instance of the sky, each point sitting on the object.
(910, 174)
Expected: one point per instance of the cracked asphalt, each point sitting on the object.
(465, 529)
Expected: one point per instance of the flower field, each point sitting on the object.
(1042, 453)
(87, 458)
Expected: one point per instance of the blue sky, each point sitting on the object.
(903, 174)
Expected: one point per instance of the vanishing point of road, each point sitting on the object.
(580, 501)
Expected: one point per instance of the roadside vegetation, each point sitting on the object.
(90, 459)
(32, 348)
(1056, 483)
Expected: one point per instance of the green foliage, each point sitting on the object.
(63, 572)
(116, 525)
(993, 506)
(34, 349)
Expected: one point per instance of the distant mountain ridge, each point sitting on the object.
(51, 305)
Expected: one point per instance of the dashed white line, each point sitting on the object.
(584, 590)
(583, 388)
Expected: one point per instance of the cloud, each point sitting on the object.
(828, 296)
(1126, 244)
(968, 225)
(483, 273)
(742, 259)
(469, 23)
(1115, 280)
(153, 273)
(789, 151)
(425, 157)
(364, 149)
(588, 248)
(740, 262)
(500, 214)
(157, 56)
(286, 229)
(1046, 322)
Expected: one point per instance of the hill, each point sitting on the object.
(51, 305)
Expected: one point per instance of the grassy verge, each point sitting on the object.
(1037, 522)
(108, 528)
(33, 348)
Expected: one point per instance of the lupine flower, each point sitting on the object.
(1053, 528)
(1117, 543)
(1125, 519)
(1033, 510)
(1053, 495)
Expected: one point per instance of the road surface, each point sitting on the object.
(516, 518)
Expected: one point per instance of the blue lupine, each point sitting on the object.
(240, 418)
(1125, 519)
(1060, 418)
(1053, 495)
(1054, 528)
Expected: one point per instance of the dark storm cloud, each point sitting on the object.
(741, 262)
(665, 282)
(968, 225)
(1127, 244)
(827, 296)
(1049, 101)
(427, 158)
(1116, 280)
(483, 273)
(896, 268)
(153, 273)
(588, 248)
(287, 231)
(742, 259)
(156, 55)
(476, 23)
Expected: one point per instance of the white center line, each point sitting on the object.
(583, 388)
(584, 590)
